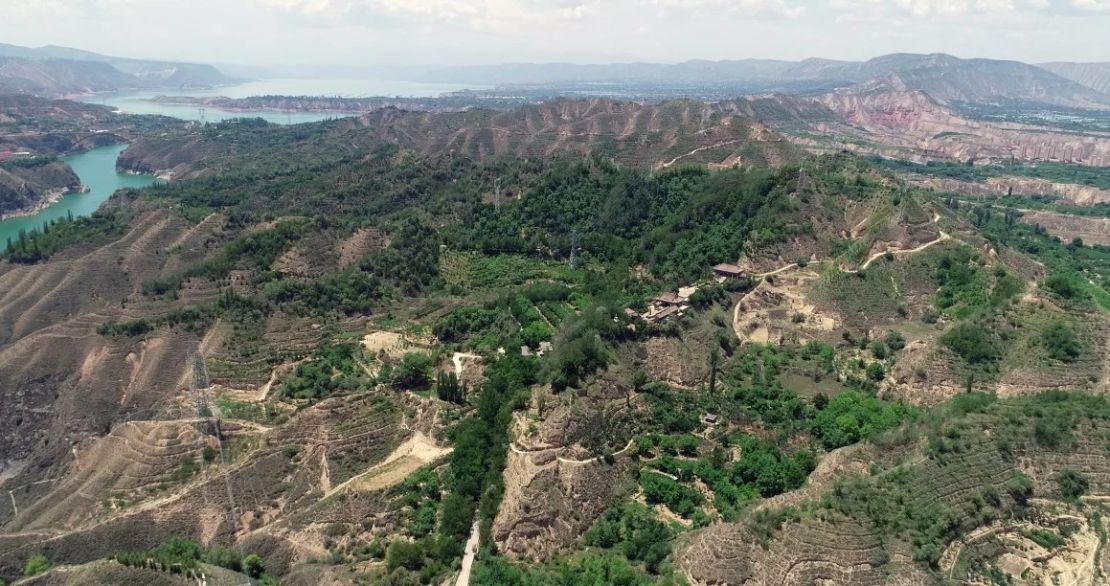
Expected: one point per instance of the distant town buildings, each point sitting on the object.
(5, 155)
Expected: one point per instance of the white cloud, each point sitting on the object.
(736, 8)
(362, 32)
(476, 13)
(305, 6)
(945, 8)
(1092, 5)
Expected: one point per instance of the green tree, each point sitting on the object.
(404, 554)
(448, 388)
(714, 362)
(413, 372)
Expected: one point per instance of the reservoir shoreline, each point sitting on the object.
(96, 169)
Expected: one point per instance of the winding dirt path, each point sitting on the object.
(407, 458)
(468, 557)
(518, 450)
(898, 251)
(457, 360)
(698, 150)
(944, 236)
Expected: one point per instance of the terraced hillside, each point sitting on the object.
(643, 136)
(419, 348)
(985, 471)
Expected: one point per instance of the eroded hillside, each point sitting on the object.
(597, 342)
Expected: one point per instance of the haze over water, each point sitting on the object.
(140, 102)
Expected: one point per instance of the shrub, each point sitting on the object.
(253, 566)
(1060, 342)
(1045, 538)
(1064, 286)
(971, 343)
(875, 371)
(1071, 484)
(36, 565)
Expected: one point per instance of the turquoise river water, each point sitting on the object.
(97, 170)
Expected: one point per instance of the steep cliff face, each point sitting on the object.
(25, 186)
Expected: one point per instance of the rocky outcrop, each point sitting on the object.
(1067, 226)
(27, 185)
(1082, 195)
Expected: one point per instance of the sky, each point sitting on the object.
(463, 32)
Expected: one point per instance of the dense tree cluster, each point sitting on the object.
(40, 244)
(332, 368)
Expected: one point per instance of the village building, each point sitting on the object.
(729, 271)
(663, 314)
(668, 299)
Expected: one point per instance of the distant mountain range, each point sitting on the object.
(971, 85)
(947, 79)
(55, 71)
(1093, 75)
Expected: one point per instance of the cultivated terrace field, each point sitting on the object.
(336, 353)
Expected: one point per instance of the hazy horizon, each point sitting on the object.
(413, 33)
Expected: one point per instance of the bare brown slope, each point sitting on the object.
(905, 124)
(62, 383)
(1082, 195)
(274, 495)
(641, 135)
(911, 125)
